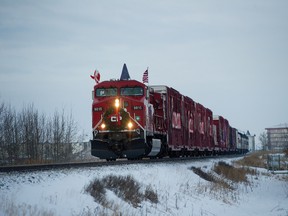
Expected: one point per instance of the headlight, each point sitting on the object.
(103, 126)
(117, 103)
(130, 125)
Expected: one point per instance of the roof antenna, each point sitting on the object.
(125, 74)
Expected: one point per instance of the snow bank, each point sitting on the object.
(180, 192)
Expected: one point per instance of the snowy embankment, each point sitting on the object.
(180, 192)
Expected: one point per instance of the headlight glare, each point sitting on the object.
(117, 103)
(103, 126)
(130, 125)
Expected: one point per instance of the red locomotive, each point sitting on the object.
(131, 120)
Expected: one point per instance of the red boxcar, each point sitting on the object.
(233, 140)
(209, 130)
(171, 112)
(221, 130)
(191, 128)
(188, 124)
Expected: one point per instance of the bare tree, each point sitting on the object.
(31, 132)
(263, 140)
(30, 136)
(70, 136)
(10, 135)
(63, 133)
(42, 138)
(2, 143)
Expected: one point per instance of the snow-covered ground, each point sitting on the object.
(180, 192)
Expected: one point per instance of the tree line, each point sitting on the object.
(28, 136)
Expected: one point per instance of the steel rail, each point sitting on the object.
(101, 163)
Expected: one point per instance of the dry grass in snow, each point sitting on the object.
(125, 187)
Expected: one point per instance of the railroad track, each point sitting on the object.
(100, 163)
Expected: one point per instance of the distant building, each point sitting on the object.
(277, 137)
(251, 142)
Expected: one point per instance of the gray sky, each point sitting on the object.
(231, 56)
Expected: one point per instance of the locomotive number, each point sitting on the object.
(97, 109)
(137, 107)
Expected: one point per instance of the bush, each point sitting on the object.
(204, 175)
(151, 195)
(125, 187)
(219, 183)
(97, 191)
(230, 172)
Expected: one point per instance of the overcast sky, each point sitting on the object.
(230, 56)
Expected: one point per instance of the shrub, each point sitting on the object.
(219, 183)
(97, 191)
(202, 174)
(230, 172)
(125, 187)
(151, 195)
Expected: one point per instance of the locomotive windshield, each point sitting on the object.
(132, 91)
(104, 92)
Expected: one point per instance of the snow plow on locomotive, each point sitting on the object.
(132, 120)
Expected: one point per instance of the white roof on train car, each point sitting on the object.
(159, 88)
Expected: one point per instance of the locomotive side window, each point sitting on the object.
(132, 91)
(104, 92)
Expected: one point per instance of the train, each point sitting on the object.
(133, 120)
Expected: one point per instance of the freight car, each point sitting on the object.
(132, 120)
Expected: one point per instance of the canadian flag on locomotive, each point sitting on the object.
(96, 76)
